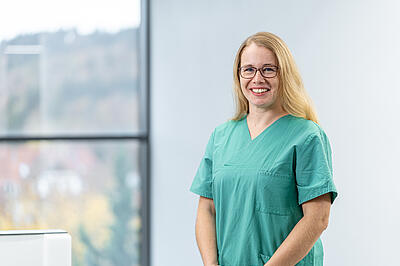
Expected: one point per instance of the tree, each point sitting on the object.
(122, 248)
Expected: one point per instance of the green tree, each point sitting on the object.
(121, 250)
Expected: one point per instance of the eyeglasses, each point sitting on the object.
(267, 71)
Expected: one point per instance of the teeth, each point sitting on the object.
(260, 90)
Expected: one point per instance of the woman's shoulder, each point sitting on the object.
(227, 126)
(306, 127)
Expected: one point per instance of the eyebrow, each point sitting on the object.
(250, 65)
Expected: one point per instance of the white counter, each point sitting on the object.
(35, 248)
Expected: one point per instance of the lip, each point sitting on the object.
(257, 88)
(259, 93)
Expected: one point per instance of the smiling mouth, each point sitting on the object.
(260, 90)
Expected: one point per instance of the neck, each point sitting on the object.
(259, 117)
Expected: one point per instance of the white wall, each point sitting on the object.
(347, 52)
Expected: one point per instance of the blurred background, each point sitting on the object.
(71, 125)
(77, 118)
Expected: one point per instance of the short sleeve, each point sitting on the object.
(202, 183)
(314, 174)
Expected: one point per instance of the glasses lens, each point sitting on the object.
(269, 71)
(247, 72)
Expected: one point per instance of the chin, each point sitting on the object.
(262, 105)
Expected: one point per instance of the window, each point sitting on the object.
(74, 143)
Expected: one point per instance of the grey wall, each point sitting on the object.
(347, 52)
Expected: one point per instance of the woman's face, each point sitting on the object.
(258, 56)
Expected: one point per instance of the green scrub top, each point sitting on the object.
(258, 186)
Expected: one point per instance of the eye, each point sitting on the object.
(248, 69)
(269, 69)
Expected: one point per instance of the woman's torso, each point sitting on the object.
(254, 190)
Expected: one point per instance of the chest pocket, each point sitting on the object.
(276, 194)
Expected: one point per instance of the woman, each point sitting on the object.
(265, 182)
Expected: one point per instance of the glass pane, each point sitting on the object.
(20, 105)
(70, 76)
(92, 190)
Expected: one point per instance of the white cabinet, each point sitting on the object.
(35, 248)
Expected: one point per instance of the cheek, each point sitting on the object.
(275, 85)
(243, 84)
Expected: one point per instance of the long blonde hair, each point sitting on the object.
(291, 91)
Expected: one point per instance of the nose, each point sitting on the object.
(258, 78)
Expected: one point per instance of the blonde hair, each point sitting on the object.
(291, 91)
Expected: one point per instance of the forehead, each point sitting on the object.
(257, 55)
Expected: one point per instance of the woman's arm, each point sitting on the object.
(304, 235)
(205, 231)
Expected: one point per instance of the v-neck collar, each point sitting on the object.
(262, 132)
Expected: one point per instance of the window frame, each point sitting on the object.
(142, 136)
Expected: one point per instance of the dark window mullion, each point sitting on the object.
(17, 138)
